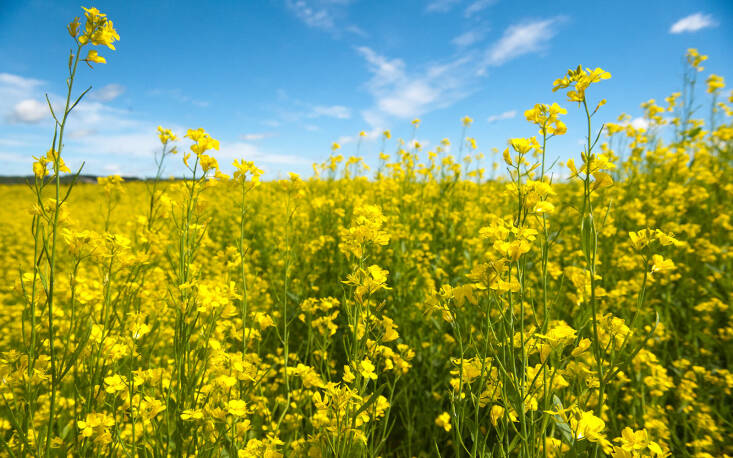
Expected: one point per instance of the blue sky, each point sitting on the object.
(277, 81)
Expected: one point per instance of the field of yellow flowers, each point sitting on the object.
(422, 310)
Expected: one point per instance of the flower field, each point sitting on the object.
(426, 307)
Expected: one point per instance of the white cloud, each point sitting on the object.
(441, 6)
(335, 111)
(107, 93)
(403, 95)
(250, 152)
(501, 116)
(357, 31)
(12, 142)
(371, 135)
(422, 143)
(15, 158)
(99, 117)
(320, 18)
(468, 38)
(97, 133)
(399, 93)
(256, 136)
(477, 6)
(410, 100)
(30, 111)
(138, 143)
(80, 133)
(520, 39)
(328, 15)
(640, 123)
(21, 101)
(693, 23)
(112, 168)
(8, 80)
(179, 96)
(294, 110)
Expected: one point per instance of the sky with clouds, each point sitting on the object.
(277, 81)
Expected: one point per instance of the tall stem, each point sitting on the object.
(52, 260)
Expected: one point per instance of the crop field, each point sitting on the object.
(441, 304)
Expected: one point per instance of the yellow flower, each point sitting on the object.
(73, 27)
(521, 145)
(243, 168)
(99, 30)
(635, 443)
(93, 56)
(507, 157)
(237, 407)
(694, 58)
(166, 135)
(348, 376)
(39, 167)
(582, 347)
(659, 264)
(52, 157)
(497, 412)
(192, 415)
(715, 83)
(366, 369)
(667, 239)
(641, 238)
(580, 79)
(151, 407)
(443, 421)
(115, 383)
(587, 426)
(264, 320)
(544, 207)
(95, 424)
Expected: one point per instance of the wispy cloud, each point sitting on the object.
(97, 132)
(29, 111)
(22, 100)
(327, 15)
(271, 123)
(441, 6)
(10, 82)
(501, 116)
(469, 38)
(638, 123)
(108, 93)
(251, 152)
(251, 137)
(179, 96)
(334, 111)
(400, 94)
(477, 6)
(357, 31)
(523, 38)
(693, 23)
(370, 135)
(312, 16)
(293, 110)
